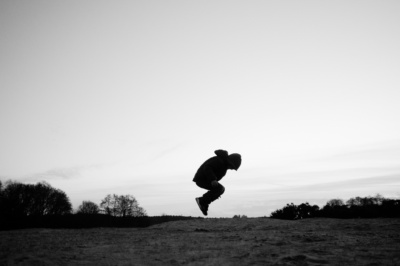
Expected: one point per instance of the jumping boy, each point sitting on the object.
(210, 172)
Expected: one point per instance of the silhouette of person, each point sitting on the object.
(212, 171)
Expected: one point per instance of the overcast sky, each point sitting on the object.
(130, 97)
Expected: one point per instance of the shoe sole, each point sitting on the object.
(201, 209)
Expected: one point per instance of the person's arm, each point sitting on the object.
(209, 173)
(211, 176)
(214, 183)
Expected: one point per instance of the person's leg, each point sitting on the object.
(212, 194)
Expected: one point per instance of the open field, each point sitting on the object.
(251, 241)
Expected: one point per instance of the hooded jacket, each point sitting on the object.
(213, 169)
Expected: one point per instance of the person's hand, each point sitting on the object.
(214, 183)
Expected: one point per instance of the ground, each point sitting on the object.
(241, 241)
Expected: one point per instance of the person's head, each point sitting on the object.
(235, 160)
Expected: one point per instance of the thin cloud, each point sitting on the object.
(387, 149)
(61, 173)
(354, 184)
(167, 151)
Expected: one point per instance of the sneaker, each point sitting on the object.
(203, 208)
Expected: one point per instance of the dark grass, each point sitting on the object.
(73, 221)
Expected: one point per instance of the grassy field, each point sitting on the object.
(244, 241)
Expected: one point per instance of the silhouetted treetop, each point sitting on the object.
(335, 202)
(124, 205)
(88, 207)
(294, 212)
(33, 200)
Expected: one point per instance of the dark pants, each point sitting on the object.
(213, 193)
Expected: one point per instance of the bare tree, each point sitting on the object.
(1, 200)
(88, 207)
(366, 201)
(357, 201)
(378, 199)
(108, 205)
(124, 205)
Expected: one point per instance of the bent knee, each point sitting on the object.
(221, 189)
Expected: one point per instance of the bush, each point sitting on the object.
(239, 216)
(368, 207)
(294, 212)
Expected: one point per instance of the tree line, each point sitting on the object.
(20, 200)
(357, 207)
(114, 205)
(41, 205)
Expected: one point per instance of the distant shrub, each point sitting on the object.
(294, 212)
(239, 216)
(305, 210)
